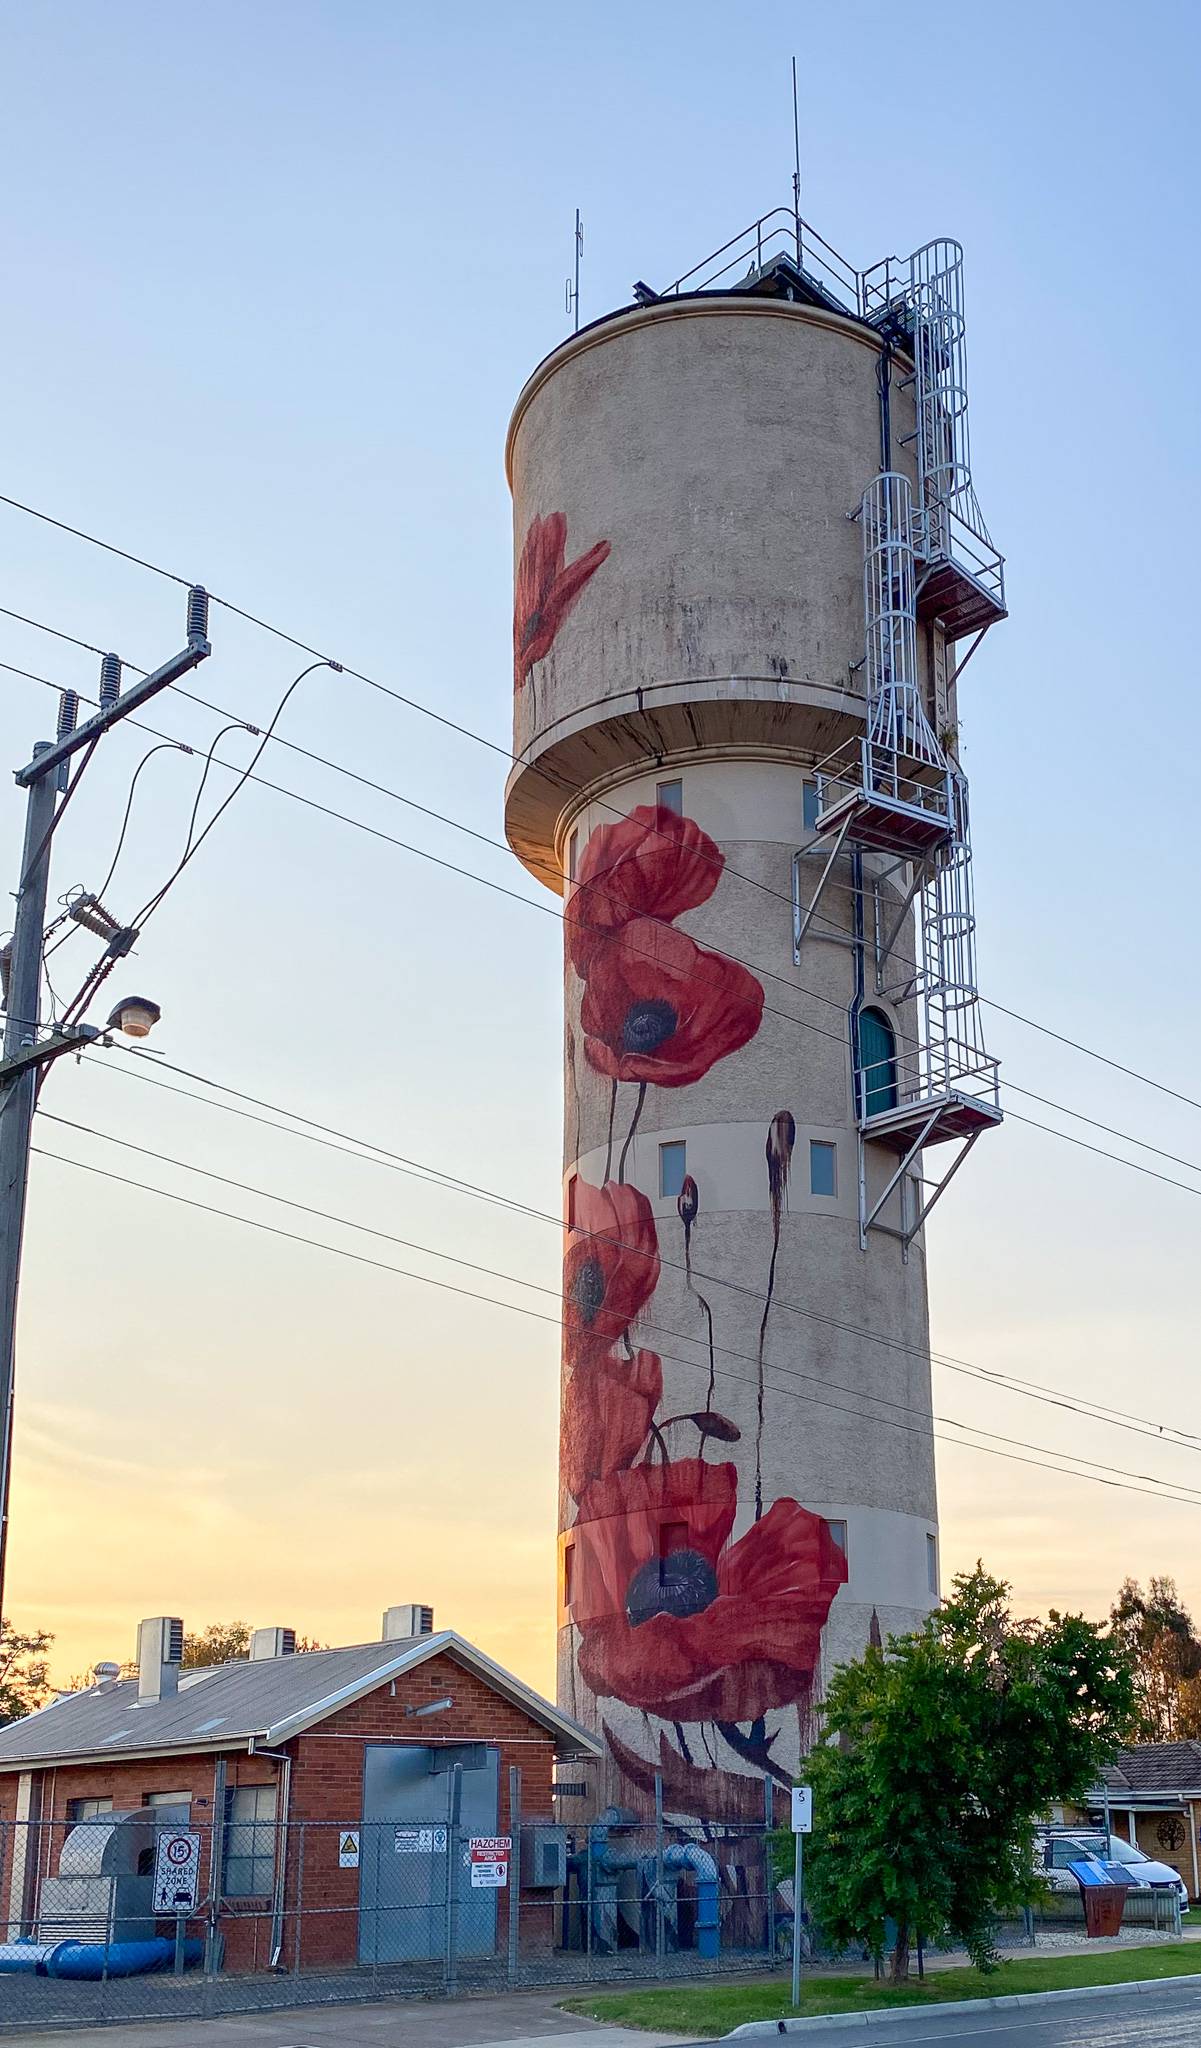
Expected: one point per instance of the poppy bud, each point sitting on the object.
(781, 1137)
(688, 1201)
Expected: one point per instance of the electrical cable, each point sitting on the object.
(480, 739)
(549, 910)
(194, 844)
(374, 1154)
(1156, 1490)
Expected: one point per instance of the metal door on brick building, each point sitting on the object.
(421, 1805)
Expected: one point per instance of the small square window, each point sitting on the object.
(823, 1167)
(838, 1534)
(809, 806)
(672, 1168)
(932, 1563)
(573, 854)
(670, 797)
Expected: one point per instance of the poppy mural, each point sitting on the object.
(674, 1615)
(548, 585)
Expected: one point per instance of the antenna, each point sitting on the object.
(796, 175)
(572, 292)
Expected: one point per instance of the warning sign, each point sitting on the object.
(348, 1849)
(176, 1871)
(490, 1861)
(420, 1841)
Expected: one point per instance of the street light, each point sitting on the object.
(136, 1016)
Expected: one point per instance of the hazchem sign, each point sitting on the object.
(176, 1871)
(420, 1841)
(490, 1861)
(348, 1849)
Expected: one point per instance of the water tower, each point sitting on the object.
(750, 568)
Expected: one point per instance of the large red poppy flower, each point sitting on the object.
(547, 587)
(676, 1620)
(608, 1404)
(658, 1007)
(611, 1267)
(654, 863)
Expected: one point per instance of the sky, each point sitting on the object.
(275, 275)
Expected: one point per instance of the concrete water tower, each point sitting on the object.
(749, 565)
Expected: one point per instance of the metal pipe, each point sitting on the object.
(279, 1885)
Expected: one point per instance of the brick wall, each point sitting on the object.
(327, 1795)
(327, 1785)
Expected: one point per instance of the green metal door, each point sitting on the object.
(877, 1062)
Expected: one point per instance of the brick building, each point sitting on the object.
(333, 1791)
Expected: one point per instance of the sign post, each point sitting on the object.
(177, 1881)
(802, 1825)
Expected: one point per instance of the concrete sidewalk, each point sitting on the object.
(521, 2019)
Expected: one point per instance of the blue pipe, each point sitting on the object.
(87, 1960)
(690, 1856)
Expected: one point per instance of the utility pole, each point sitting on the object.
(27, 1050)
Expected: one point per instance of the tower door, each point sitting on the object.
(877, 1063)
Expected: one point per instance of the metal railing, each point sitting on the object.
(864, 768)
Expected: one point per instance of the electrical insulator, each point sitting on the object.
(110, 680)
(68, 712)
(198, 612)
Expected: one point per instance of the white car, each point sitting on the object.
(1061, 1849)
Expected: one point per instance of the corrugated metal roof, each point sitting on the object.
(271, 1698)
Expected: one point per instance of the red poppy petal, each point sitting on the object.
(715, 1003)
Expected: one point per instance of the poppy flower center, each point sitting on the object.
(647, 1025)
(680, 1584)
(588, 1290)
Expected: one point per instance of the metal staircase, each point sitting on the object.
(894, 794)
(962, 579)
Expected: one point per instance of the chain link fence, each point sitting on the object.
(287, 1914)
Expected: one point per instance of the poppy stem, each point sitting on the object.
(612, 1114)
(771, 1288)
(621, 1164)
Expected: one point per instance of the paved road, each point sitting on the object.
(1165, 2018)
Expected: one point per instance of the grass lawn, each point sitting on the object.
(711, 2009)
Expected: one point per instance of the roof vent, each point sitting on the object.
(272, 1642)
(402, 1622)
(105, 1675)
(160, 1654)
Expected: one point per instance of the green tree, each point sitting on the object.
(1156, 1630)
(944, 1750)
(24, 1672)
(222, 1642)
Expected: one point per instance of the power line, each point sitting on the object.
(459, 825)
(1182, 1495)
(564, 917)
(493, 746)
(420, 1170)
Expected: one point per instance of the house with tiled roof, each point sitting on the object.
(1153, 1792)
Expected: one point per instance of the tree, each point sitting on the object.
(947, 1747)
(222, 1642)
(24, 1672)
(1156, 1630)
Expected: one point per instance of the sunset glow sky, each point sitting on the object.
(273, 289)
